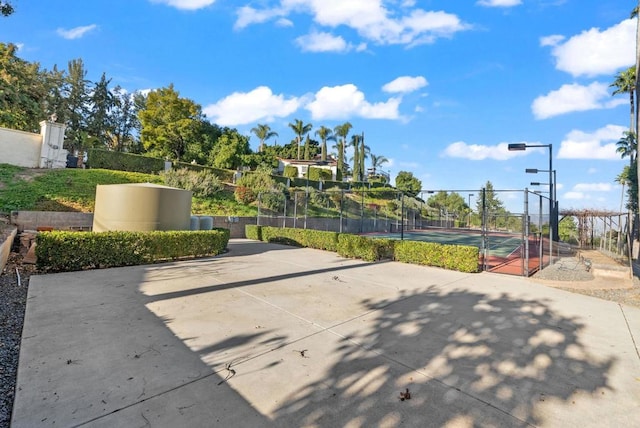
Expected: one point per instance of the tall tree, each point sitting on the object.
(24, 88)
(77, 111)
(377, 162)
(123, 119)
(408, 184)
(300, 129)
(355, 143)
(491, 201)
(342, 132)
(101, 103)
(263, 132)
(169, 123)
(364, 151)
(325, 134)
(228, 150)
(625, 83)
(627, 146)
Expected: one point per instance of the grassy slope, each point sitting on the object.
(75, 190)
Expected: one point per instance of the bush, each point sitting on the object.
(98, 158)
(290, 171)
(244, 195)
(202, 183)
(360, 247)
(453, 257)
(317, 239)
(319, 174)
(72, 251)
(273, 201)
(253, 231)
(225, 175)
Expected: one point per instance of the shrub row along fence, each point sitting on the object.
(73, 251)
(518, 243)
(452, 257)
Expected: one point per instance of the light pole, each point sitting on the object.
(470, 211)
(522, 147)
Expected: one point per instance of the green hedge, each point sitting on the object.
(72, 251)
(119, 161)
(299, 237)
(369, 249)
(254, 232)
(452, 257)
(290, 171)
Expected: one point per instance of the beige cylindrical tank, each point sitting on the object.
(141, 207)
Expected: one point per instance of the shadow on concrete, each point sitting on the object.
(255, 281)
(506, 357)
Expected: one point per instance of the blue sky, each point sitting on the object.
(439, 87)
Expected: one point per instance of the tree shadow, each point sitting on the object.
(467, 358)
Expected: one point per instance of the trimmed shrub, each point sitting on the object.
(202, 183)
(319, 174)
(290, 171)
(369, 249)
(317, 239)
(73, 251)
(253, 231)
(452, 257)
(119, 161)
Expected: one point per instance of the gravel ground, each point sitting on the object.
(571, 269)
(13, 296)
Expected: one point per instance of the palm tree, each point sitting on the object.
(377, 162)
(625, 82)
(626, 146)
(342, 131)
(325, 134)
(263, 132)
(300, 129)
(623, 180)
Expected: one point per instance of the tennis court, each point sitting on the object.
(501, 252)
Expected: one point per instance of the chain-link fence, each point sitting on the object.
(517, 243)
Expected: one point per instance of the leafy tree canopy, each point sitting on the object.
(170, 123)
(407, 183)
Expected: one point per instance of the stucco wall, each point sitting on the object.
(20, 148)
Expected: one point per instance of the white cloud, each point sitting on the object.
(553, 40)
(499, 3)
(284, 22)
(574, 195)
(260, 104)
(594, 52)
(186, 4)
(342, 102)
(592, 170)
(323, 42)
(405, 84)
(592, 187)
(574, 97)
(600, 144)
(75, 33)
(371, 19)
(248, 15)
(476, 152)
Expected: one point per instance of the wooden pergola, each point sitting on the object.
(587, 219)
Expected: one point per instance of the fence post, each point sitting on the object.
(525, 234)
(259, 200)
(402, 216)
(483, 228)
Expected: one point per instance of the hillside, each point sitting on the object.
(75, 190)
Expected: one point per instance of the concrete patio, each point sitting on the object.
(269, 335)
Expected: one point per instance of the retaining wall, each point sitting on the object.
(6, 241)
